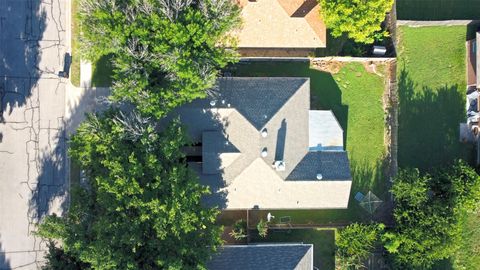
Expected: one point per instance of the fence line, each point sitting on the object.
(435, 23)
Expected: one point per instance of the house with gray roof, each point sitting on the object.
(257, 144)
(263, 256)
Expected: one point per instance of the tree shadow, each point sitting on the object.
(4, 262)
(102, 73)
(22, 28)
(428, 134)
(371, 177)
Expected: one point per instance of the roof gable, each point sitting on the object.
(258, 99)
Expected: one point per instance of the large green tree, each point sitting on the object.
(360, 19)
(139, 205)
(427, 214)
(165, 52)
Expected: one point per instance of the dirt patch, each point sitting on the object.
(330, 66)
(377, 68)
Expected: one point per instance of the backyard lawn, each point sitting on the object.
(438, 9)
(432, 86)
(323, 243)
(355, 97)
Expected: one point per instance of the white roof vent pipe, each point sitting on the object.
(279, 165)
(319, 176)
(264, 133)
(264, 153)
(213, 102)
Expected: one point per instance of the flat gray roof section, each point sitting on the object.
(262, 257)
(325, 133)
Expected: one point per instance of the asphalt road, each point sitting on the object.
(33, 182)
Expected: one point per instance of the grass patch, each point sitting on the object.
(432, 86)
(438, 9)
(75, 65)
(355, 97)
(468, 256)
(323, 243)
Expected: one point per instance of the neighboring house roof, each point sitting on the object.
(245, 118)
(263, 256)
(281, 24)
(478, 59)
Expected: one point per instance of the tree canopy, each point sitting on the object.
(355, 243)
(427, 214)
(165, 52)
(139, 205)
(360, 19)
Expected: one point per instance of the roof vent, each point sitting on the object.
(264, 133)
(279, 165)
(228, 105)
(264, 152)
(223, 101)
(213, 102)
(319, 176)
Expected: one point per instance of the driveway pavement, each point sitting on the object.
(33, 182)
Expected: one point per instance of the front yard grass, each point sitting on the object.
(432, 86)
(101, 69)
(355, 97)
(323, 243)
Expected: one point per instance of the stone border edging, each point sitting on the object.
(435, 23)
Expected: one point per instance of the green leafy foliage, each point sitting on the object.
(262, 228)
(355, 243)
(140, 206)
(427, 214)
(165, 53)
(58, 259)
(239, 230)
(360, 19)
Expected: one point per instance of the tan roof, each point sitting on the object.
(281, 24)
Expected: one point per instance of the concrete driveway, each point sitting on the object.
(33, 167)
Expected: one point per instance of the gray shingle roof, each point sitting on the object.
(258, 99)
(236, 111)
(268, 256)
(332, 165)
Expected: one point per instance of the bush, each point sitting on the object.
(239, 230)
(262, 228)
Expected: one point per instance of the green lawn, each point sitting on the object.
(75, 65)
(468, 256)
(355, 97)
(323, 243)
(438, 9)
(431, 84)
